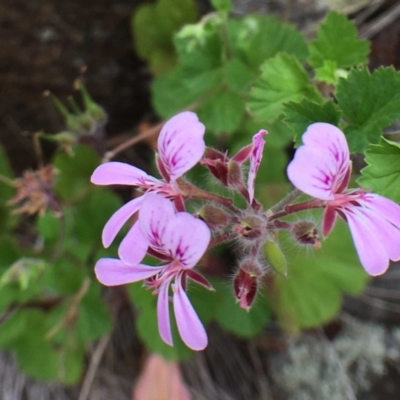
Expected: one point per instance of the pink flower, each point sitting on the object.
(180, 240)
(181, 146)
(322, 168)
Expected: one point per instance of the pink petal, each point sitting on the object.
(170, 384)
(155, 213)
(189, 325)
(164, 324)
(112, 272)
(387, 208)
(117, 173)
(371, 251)
(388, 234)
(133, 247)
(181, 144)
(186, 239)
(118, 219)
(321, 165)
(255, 161)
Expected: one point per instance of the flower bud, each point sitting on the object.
(246, 282)
(213, 216)
(216, 162)
(275, 257)
(250, 227)
(306, 232)
(235, 175)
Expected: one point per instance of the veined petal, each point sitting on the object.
(118, 219)
(383, 206)
(155, 214)
(371, 251)
(255, 161)
(112, 272)
(321, 165)
(186, 239)
(388, 234)
(133, 247)
(181, 144)
(189, 325)
(117, 173)
(164, 324)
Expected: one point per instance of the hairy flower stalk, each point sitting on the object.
(321, 168)
(179, 240)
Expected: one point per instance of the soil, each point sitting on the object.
(44, 45)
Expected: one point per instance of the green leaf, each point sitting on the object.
(370, 102)
(153, 27)
(64, 276)
(74, 171)
(238, 76)
(6, 191)
(48, 226)
(11, 328)
(200, 47)
(223, 112)
(382, 174)
(256, 38)
(24, 271)
(234, 319)
(298, 116)
(224, 6)
(9, 252)
(312, 293)
(92, 213)
(282, 79)
(94, 318)
(337, 41)
(56, 360)
(174, 92)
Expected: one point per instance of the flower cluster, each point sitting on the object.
(321, 168)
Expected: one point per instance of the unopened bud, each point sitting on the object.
(213, 216)
(235, 175)
(275, 257)
(306, 232)
(250, 227)
(216, 162)
(246, 282)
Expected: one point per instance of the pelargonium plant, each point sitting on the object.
(164, 229)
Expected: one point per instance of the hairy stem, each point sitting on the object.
(289, 198)
(293, 208)
(190, 190)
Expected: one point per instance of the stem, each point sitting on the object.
(292, 196)
(190, 190)
(290, 209)
(219, 239)
(7, 181)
